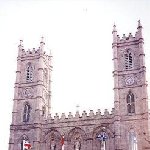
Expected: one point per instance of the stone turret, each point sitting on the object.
(42, 44)
(130, 89)
(20, 48)
(114, 32)
(139, 30)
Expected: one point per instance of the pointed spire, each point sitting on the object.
(139, 30)
(77, 107)
(114, 28)
(139, 24)
(114, 32)
(20, 48)
(42, 39)
(21, 44)
(42, 43)
(50, 53)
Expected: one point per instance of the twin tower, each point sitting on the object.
(125, 128)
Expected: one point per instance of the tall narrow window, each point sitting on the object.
(26, 112)
(45, 77)
(128, 60)
(43, 110)
(29, 71)
(132, 141)
(130, 103)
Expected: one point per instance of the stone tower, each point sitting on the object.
(125, 128)
(131, 120)
(32, 96)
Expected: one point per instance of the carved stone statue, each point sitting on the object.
(77, 145)
(53, 146)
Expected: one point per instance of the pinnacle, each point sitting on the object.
(139, 24)
(42, 39)
(21, 43)
(114, 28)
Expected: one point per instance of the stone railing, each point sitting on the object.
(78, 117)
(128, 38)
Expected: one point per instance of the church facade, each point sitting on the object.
(125, 128)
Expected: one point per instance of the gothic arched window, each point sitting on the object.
(132, 141)
(130, 103)
(26, 112)
(128, 60)
(29, 73)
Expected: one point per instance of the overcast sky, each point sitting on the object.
(79, 35)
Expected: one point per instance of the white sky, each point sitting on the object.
(79, 35)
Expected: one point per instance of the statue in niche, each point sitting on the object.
(53, 145)
(26, 114)
(77, 144)
(133, 140)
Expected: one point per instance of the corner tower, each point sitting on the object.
(131, 121)
(31, 102)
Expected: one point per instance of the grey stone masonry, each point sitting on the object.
(125, 128)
